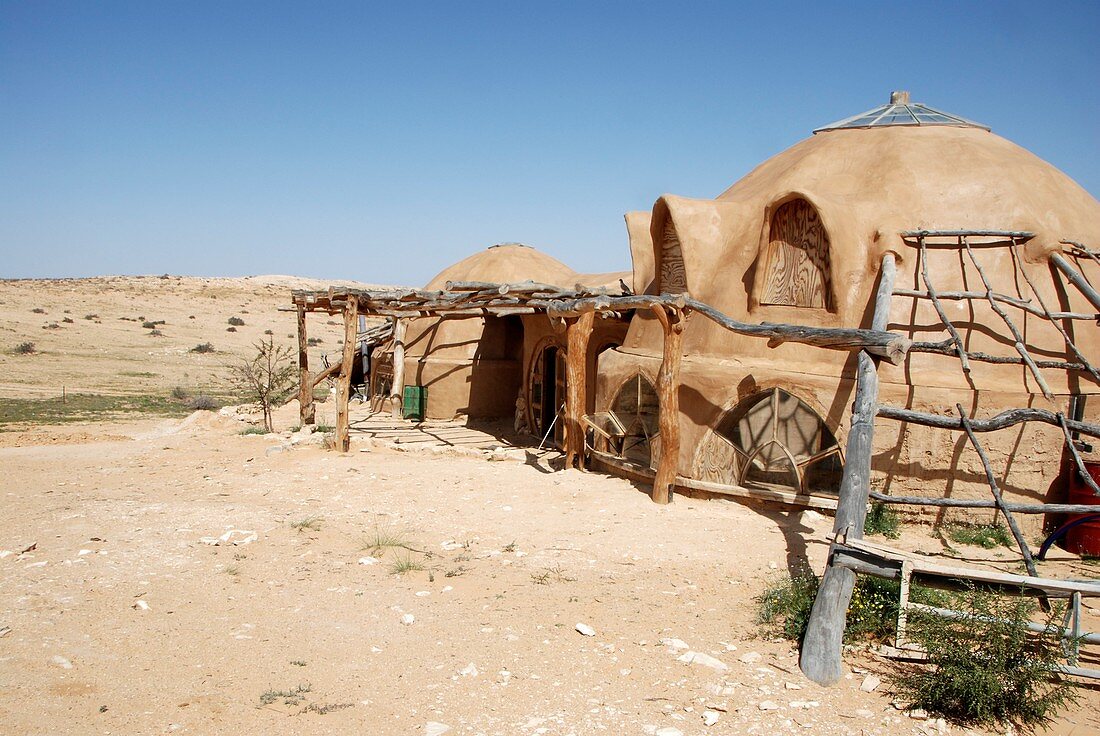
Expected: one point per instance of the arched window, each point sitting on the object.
(796, 260)
(636, 408)
(673, 279)
(772, 440)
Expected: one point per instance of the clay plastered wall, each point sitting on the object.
(908, 460)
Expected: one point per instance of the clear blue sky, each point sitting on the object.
(383, 141)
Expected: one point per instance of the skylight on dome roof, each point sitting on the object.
(900, 111)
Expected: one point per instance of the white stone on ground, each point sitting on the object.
(704, 659)
(870, 682)
(585, 629)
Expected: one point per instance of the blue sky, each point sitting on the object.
(381, 142)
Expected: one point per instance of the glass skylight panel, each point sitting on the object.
(897, 113)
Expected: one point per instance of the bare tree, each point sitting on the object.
(267, 379)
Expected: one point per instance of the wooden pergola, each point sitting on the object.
(576, 309)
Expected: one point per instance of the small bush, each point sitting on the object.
(51, 326)
(986, 668)
(38, 310)
(872, 612)
(149, 325)
(268, 332)
(25, 348)
(230, 329)
(313, 341)
(986, 536)
(309, 523)
(91, 316)
(203, 403)
(882, 519)
(68, 320)
(255, 430)
(179, 393)
(203, 347)
(406, 564)
(156, 333)
(236, 321)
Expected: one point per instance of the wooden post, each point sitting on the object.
(577, 333)
(824, 640)
(343, 384)
(398, 387)
(823, 644)
(668, 397)
(305, 385)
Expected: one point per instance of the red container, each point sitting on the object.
(1084, 539)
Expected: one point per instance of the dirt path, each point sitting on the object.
(482, 639)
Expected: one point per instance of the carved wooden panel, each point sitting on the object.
(796, 271)
(673, 275)
(716, 461)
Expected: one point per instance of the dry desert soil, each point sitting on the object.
(161, 572)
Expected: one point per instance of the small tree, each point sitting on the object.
(267, 379)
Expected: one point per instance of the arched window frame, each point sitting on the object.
(765, 254)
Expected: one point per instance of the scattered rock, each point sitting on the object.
(675, 643)
(750, 657)
(668, 731)
(4, 631)
(585, 629)
(710, 717)
(435, 728)
(61, 662)
(140, 605)
(918, 714)
(704, 659)
(792, 686)
(864, 713)
(408, 619)
(469, 670)
(870, 682)
(368, 560)
(804, 703)
(768, 705)
(274, 450)
(233, 537)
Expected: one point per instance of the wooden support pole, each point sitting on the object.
(305, 385)
(343, 385)
(577, 333)
(1076, 279)
(822, 646)
(996, 490)
(398, 387)
(668, 397)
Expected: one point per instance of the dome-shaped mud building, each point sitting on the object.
(800, 240)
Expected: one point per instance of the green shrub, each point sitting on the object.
(236, 321)
(872, 613)
(987, 536)
(203, 347)
(255, 430)
(986, 668)
(179, 393)
(882, 519)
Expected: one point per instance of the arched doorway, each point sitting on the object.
(547, 393)
(636, 408)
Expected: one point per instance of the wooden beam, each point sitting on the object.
(668, 398)
(960, 349)
(398, 387)
(329, 372)
(343, 385)
(1076, 279)
(976, 503)
(1023, 304)
(1005, 419)
(578, 331)
(305, 385)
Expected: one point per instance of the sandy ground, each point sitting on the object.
(123, 620)
(104, 349)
